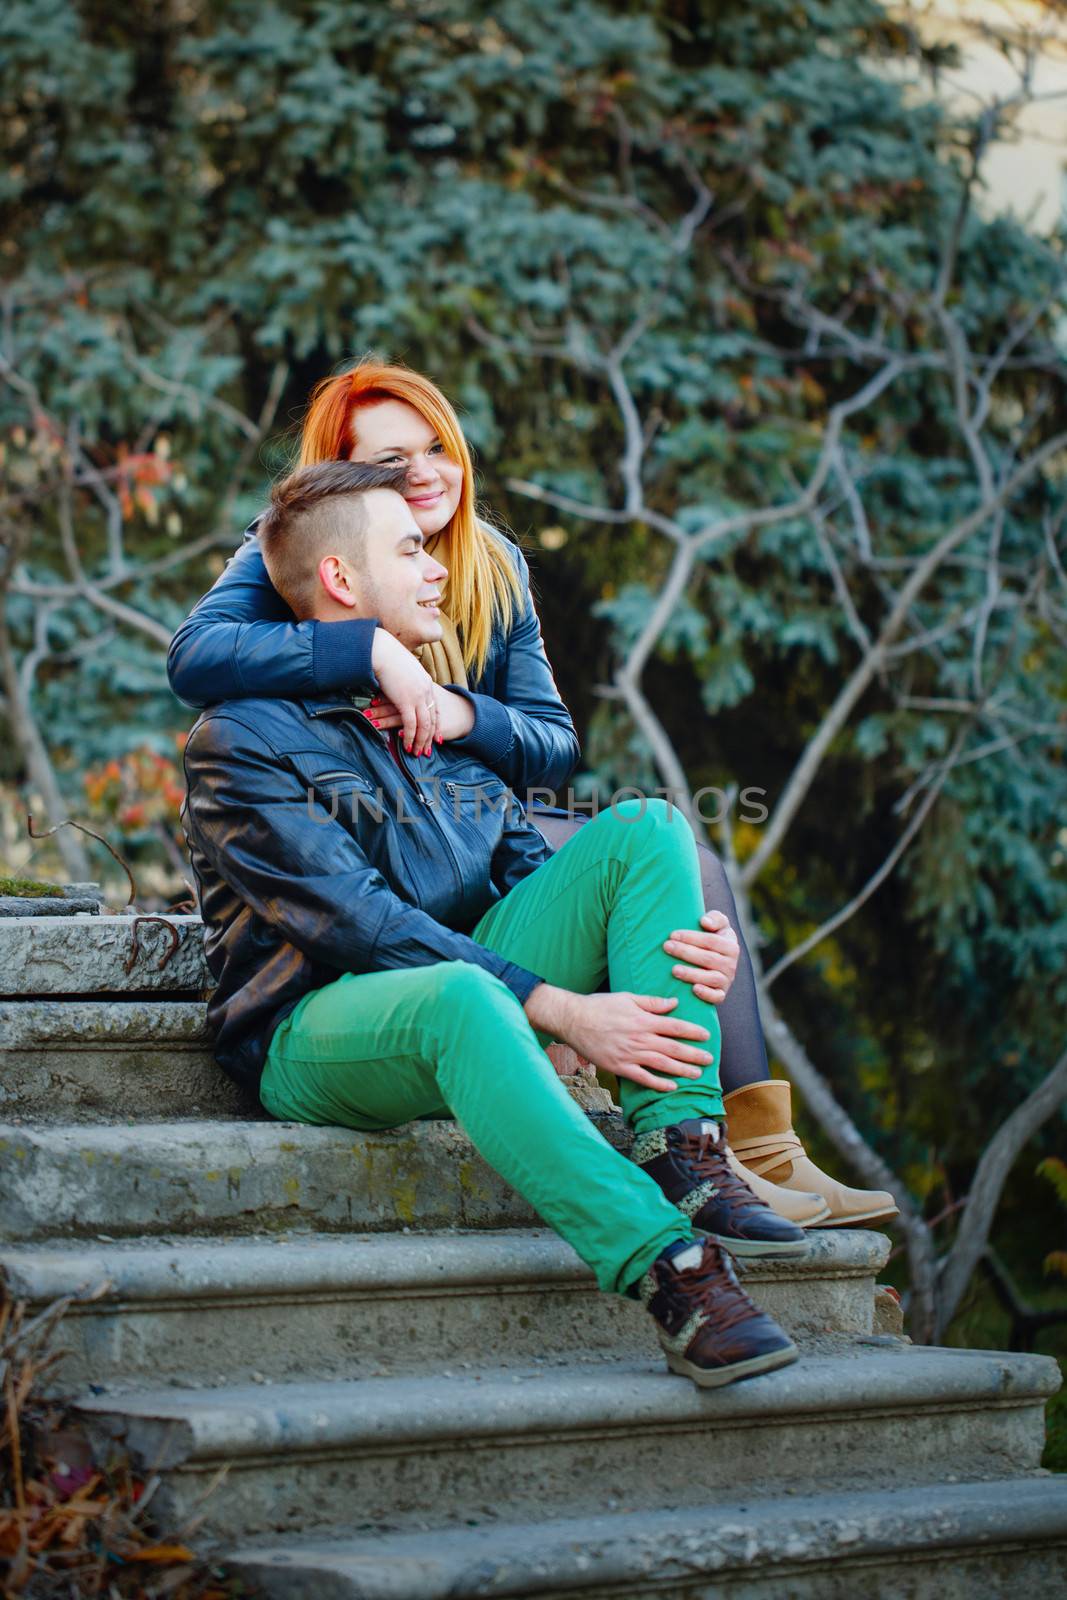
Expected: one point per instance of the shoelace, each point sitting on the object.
(708, 1157)
(712, 1287)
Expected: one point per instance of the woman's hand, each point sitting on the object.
(409, 691)
(455, 716)
(711, 953)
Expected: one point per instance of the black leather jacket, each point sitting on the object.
(241, 639)
(319, 848)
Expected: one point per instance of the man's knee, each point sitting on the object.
(647, 815)
(462, 983)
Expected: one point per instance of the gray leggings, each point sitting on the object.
(744, 1054)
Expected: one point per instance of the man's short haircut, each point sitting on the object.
(315, 512)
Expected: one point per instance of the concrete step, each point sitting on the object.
(323, 1306)
(130, 955)
(92, 1061)
(248, 1177)
(545, 1442)
(999, 1539)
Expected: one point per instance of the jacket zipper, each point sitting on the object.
(445, 840)
(394, 750)
(342, 772)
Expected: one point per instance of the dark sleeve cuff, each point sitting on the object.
(521, 983)
(492, 735)
(341, 654)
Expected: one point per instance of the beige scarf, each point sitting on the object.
(443, 659)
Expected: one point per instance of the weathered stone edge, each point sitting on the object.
(202, 1428)
(88, 1024)
(815, 1533)
(324, 1263)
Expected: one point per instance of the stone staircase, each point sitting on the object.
(372, 1372)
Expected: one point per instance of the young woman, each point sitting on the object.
(488, 686)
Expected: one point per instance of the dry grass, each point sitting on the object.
(72, 1525)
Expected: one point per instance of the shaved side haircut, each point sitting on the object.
(315, 512)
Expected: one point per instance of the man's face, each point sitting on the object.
(397, 581)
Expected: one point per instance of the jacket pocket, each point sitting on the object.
(346, 778)
(345, 793)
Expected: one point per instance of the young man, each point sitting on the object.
(392, 939)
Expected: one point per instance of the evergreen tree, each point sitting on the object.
(648, 248)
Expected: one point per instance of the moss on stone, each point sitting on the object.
(30, 889)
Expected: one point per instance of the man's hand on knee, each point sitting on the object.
(632, 1035)
(706, 957)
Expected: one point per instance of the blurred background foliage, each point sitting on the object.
(207, 207)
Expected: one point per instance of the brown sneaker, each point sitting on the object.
(690, 1162)
(709, 1328)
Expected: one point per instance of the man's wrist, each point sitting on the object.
(551, 1009)
(382, 642)
(460, 715)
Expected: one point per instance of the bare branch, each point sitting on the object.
(856, 625)
(595, 513)
(983, 135)
(746, 521)
(663, 753)
(40, 771)
(564, 502)
(941, 773)
(195, 399)
(614, 204)
(955, 622)
(804, 773)
(633, 435)
(855, 503)
(526, 346)
(990, 1176)
(959, 369)
(1012, 339)
(1050, 529)
(854, 1149)
(877, 878)
(41, 648)
(69, 822)
(109, 502)
(88, 590)
(989, 604)
(140, 621)
(264, 422)
(628, 675)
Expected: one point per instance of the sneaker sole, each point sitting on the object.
(777, 1249)
(718, 1377)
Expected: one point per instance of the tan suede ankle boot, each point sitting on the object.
(759, 1122)
(806, 1210)
(792, 1204)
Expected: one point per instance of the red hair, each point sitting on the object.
(482, 582)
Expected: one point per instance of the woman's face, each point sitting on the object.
(394, 433)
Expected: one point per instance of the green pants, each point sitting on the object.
(374, 1050)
